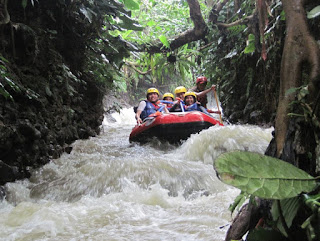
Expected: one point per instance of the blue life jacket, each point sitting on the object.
(149, 109)
(192, 107)
(197, 107)
(169, 103)
(178, 107)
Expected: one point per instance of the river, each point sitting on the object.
(110, 189)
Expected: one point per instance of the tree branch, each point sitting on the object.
(197, 33)
(238, 22)
(134, 65)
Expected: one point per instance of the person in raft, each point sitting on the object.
(201, 91)
(149, 106)
(168, 97)
(177, 105)
(191, 104)
(180, 91)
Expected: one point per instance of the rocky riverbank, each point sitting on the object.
(40, 123)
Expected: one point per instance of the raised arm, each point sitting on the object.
(203, 93)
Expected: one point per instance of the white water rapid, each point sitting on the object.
(110, 189)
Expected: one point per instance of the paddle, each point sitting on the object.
(216, 97)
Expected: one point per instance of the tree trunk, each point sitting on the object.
(299, 47)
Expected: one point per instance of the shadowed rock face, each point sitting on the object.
(56, 103)
(34, 131)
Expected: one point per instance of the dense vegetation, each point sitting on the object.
(59, 57)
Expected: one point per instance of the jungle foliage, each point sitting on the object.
(91, 21)
(289, 188)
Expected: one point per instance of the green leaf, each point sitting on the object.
(24, 3)
(3, 92)
(314, 12)
(289, 209)
(131, 4)
(151, 23)
(85, 11)
(291, 91)
(238, 202)
(264, 235)
(129, 23)
(126, 34)
(262, 176)
(250, 44)
(164, 41)
(283, 15)
(249, 49)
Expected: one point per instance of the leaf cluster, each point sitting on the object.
(6, 84)
(266, 177)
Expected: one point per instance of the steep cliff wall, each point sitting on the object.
(53, 102)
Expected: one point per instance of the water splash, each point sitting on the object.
(209, 144)
(108, 188)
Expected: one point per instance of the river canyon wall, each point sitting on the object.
(47, 99)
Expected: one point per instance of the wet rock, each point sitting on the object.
(109, 118)
(2, 193)
(8, 173)
(6, 139)
(235, 117)
(28, 130)
(68, 149)
(256, 117)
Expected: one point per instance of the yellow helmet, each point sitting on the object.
(167, 95)
(180, 89)
(152, 90)
(190, 93)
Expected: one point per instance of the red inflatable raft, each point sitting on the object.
(172, 127)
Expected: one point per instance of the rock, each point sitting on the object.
(256, 116)
(2, 193)
(28, 130)
(8, 173)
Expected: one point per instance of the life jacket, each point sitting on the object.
(192, 107)
(168, 103)
(149, 109)
(177, 107)
(197, 107)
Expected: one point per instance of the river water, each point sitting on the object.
(110, 189)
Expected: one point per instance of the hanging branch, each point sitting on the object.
(238, 22)
(198, 32)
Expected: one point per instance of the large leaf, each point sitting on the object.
(263, 176)
(314, 12)
(131, 4)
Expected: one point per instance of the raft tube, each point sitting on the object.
(172, 127)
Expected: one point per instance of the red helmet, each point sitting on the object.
(201, 79)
